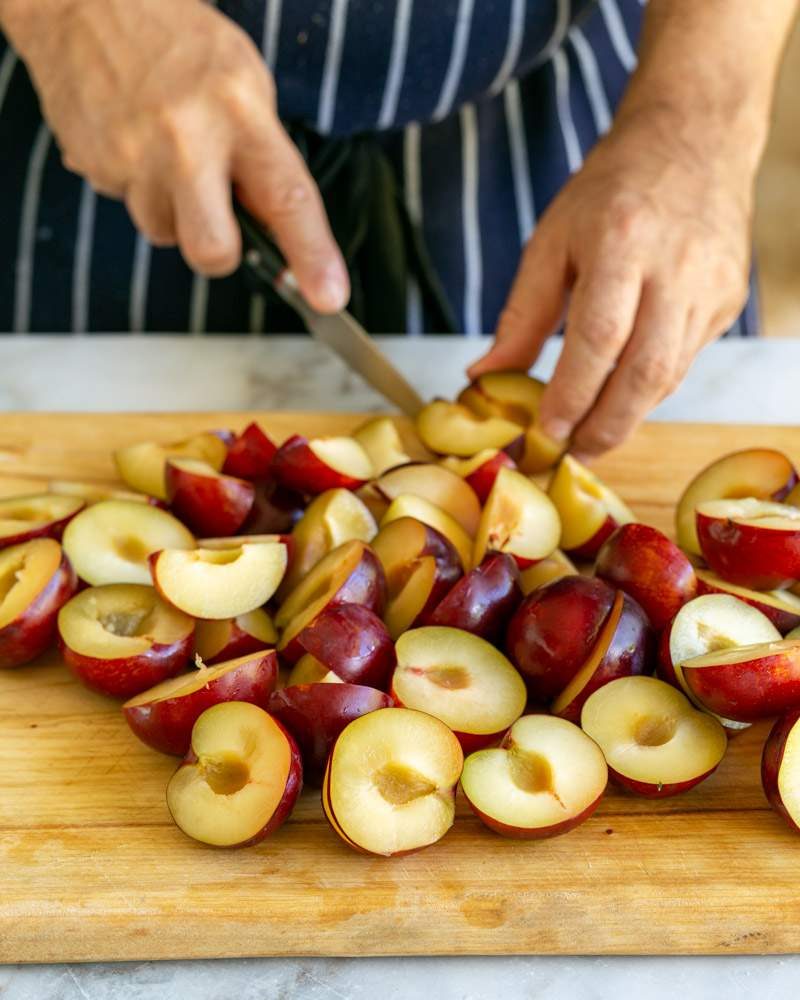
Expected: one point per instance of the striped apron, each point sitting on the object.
(484, 107)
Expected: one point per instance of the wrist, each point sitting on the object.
(727, 129)
(706, 77)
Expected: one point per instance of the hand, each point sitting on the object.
(648, 247)
(165, 104)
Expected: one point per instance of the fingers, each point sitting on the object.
(648, 370)
(207, 231)
(150, 208)
(601, 315)
(273, 182)
(534, 308)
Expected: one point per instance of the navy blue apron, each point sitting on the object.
(484, 108)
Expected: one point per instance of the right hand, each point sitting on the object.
(166, 104)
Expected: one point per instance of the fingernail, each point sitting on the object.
(485, 363)
(332, 293)
(558, 430)
(332, 288)
(475, 369)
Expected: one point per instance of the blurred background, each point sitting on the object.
(778, 212)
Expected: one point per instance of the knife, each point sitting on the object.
(341, 332)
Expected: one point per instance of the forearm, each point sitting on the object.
(709, 70)
(22, 20)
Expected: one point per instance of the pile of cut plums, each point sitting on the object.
(386, 629)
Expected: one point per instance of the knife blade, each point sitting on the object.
(341, 332)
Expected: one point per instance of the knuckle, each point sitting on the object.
(607, 439)
(650, 373)
(288, 196)
(599, 439)
(599, 334)
(211, 256)
(238, 95)
(628, 215)
(727, 270)
(575, 399)
(243, 76)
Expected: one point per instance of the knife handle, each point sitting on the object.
(265, 261)
(261, 254)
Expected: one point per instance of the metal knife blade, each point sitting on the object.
(343, 334)
(340, 332)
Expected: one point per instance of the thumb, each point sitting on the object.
(534, 308)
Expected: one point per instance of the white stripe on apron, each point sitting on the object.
(272, 28)
(516, 33)
(198, 306)
(413, 309)
(563, 13)
(82, 262)
(458, 54)
(473, 262)
(572, 145)
(412, 187)
(592, 80)
(397, 63)
(520, 164)
(258, 308)
(26, 247)
(333, 62)
(618, 34)
(7, 67)
(140, 279)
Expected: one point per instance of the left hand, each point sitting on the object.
(648, 248)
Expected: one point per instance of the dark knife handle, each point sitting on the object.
(260, 254)
(266, 263)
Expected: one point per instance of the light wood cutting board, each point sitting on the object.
(91, 867)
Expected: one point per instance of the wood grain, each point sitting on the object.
(93, 869)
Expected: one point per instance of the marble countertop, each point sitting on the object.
(740, 381)
(733, 382)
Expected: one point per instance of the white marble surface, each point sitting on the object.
(411, 978)
(731, 382)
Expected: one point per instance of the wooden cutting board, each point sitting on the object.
(91, 867)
